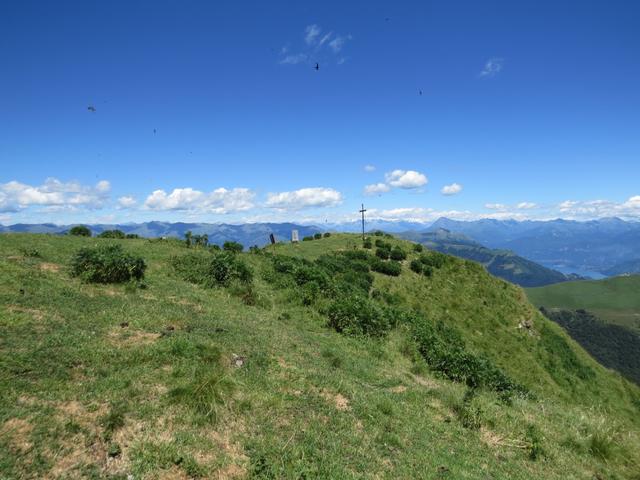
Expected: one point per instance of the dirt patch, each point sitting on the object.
(340, 401)
(425, 382)
(174, 473)
(131, 338)
(49, 267)
(398, 389)
(18, 431)
(232, 471)
(34, 312)
(283, 363)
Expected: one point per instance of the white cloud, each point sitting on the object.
(495, 206)
(311, 33)
(126, 202)
(376, 188)
(16, 196)
(304, 198)
(492, 67)
(294, 59)
(219, 201)
(526, 205)
(452, 189)
(337, 43)
(581, 210)
(369, 168)
(406, 179)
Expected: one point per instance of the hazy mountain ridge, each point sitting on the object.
(501, 263)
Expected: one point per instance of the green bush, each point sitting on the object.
(107, 264)
(416, 265)
(382, 244)
(427, 270)
(132, 235)
(233, 247)
(398, 254)
(80, 231)
(387, 268)
(317, 236)
(417, 247)
(378, 233)
(356, 315)
(307, 238)
(112, 234)
(434, 259)
(327, 234)
(212, 269)
(383, 253)
(367, 243)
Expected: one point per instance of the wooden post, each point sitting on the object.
(362, 212)
(272, 237)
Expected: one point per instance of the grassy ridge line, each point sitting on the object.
(615, 300)
(307, 401)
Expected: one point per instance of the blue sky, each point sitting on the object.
(528, 110)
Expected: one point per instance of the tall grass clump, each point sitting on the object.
(107, 264)
(215, 268)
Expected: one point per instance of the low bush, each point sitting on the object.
(382, 244)
(378, 233)
(212, 269)
(30, 252)
(398, 254)
(107, 264)
(387, 268)
(416, 266)
(434, 259)
(307, 238)
(417, 247)
(317, 236)
(327, 234)
(132, 236)
(356, 315)
(383, 253)
(367, 244)
(112, 234)
(80, 231)
(233, 247)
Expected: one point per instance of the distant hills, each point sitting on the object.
(601, 246)
(247, 234)
(501, 263)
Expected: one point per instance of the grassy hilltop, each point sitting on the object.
(298, 361)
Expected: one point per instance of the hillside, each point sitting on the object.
(501, 263)
(296, 361)
(615, 300)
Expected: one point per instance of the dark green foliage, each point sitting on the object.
(398, 254)
(382, 244)
(383, 253)
(233, 247)
(427, 270)
(612, 345)
(387, 268)
(601, 445)
(212, 269)
(358, 255)
(327, 234)
(561, 359)
(307, 238)
(30, 252)
(378, 233)
(132, 236)
(317, 236)
(356, 315)
(416, 266)
(445, 352)
(367, 243)
(80, 231)
(534, 441)
(107, 264)
(468, 412)
(417, 247)
(434, 259)
(112, 234)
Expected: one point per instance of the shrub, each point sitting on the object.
(327, 234)
(534, 440)
(30, 252)
(367, 243)
(416, 265)
(112, 234)
(382, 244)
(357, 315)
(398, 254)
(387, 268)
(378, 233)
(427, 270)
(317, 236)
(212, 269)
(80, 231)
(107, 264)
(233, 247)
(132, 236)
(417, 247)
(307, 238)
(383, 253)
(434, 259)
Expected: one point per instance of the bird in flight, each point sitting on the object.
(317, 67)
(420, 92)
(91, 108)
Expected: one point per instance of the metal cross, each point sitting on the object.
(362, 212)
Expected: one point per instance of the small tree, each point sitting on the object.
(367, 243)
(327, 234)
(112, 234)
(233, 247)
(317, 236)
(80, 231)
(417, 247)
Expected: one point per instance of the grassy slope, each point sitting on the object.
(615, 300)
(307, 401)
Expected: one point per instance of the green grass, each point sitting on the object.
(614, 300)
(179, 380)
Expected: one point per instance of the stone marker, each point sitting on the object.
(294, 236)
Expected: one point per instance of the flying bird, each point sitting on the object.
(317, 67)
(420, 92)
(91, 108)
